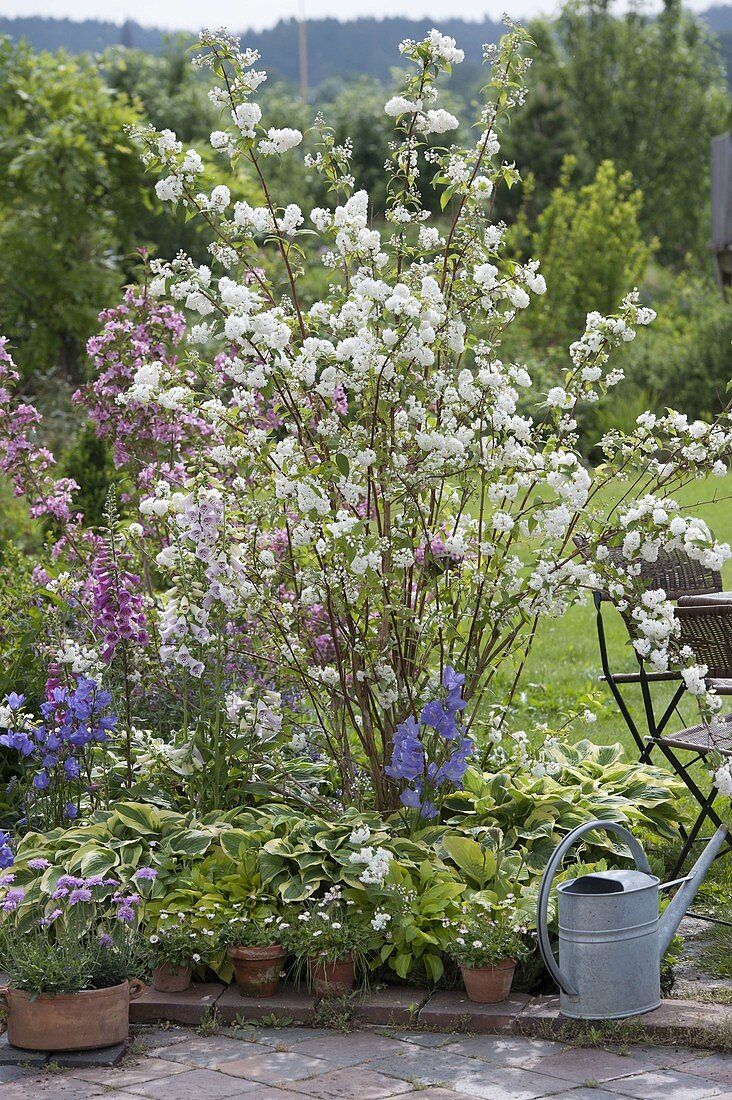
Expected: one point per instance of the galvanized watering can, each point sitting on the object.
(611, 939)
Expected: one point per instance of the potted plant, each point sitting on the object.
(332, 937)
(257, 947)
(174, 948)
(69, 947)
(488, 942)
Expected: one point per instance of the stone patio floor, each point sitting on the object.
(265, 1063)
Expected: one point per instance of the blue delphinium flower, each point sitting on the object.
(6, 852)
(407, 761)
(425, 763)
(56, 751)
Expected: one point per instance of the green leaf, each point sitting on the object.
(234, 841)
(343, 464)
(138, 817)
(99, 862)
(477, 864)
(188, 842)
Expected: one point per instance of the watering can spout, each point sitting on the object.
(687, 891)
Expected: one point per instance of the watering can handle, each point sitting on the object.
(550, 871)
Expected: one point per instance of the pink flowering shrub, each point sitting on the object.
(143, 437)
(23, 459)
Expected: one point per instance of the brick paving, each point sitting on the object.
(266, 1063)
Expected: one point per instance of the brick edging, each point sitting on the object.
(686, 1022)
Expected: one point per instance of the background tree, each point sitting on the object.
(69, 182)
(647, 93)
(592, 249)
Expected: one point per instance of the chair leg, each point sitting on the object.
(673, 705)
(617, 696)
(706, 811)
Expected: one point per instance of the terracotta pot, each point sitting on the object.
(488, 984)
(171, 979)
(332, 979)
(70, 1021)
(257, 969)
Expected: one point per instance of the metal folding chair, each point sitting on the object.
(705, 626)
(699, 598)
(679, 576)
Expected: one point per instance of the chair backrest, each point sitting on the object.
(707, 629)
(673, 571)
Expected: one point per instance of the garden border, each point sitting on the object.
(686, 1022)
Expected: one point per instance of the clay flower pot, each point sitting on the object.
(171, 979)
(488, 985)
(332, 979)
(70, 1021)
(257, 969)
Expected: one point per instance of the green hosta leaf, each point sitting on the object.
(138, 817)
(297, 889)
(434, 966)
(402, 963)
(235, 841)
(99, 862)
(189, 842)
(271, 867)
(88, 852)
(477, 864)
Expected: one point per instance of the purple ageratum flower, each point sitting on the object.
(407, 758)
(105, 940)
(13, 899)
(82, 894)
(70, 882)
(126, 913)
(146, 873)
(39, 864)
(45, 921)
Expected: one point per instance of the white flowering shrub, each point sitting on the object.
(379, 496)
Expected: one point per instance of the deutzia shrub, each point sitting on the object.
(382, 495)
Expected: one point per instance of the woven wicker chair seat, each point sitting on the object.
(703, 738)
(673, 571)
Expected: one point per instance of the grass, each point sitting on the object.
(717, 953)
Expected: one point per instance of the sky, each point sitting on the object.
(243, 14)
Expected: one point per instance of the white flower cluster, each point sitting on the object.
(377, 862)
(80, 660)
